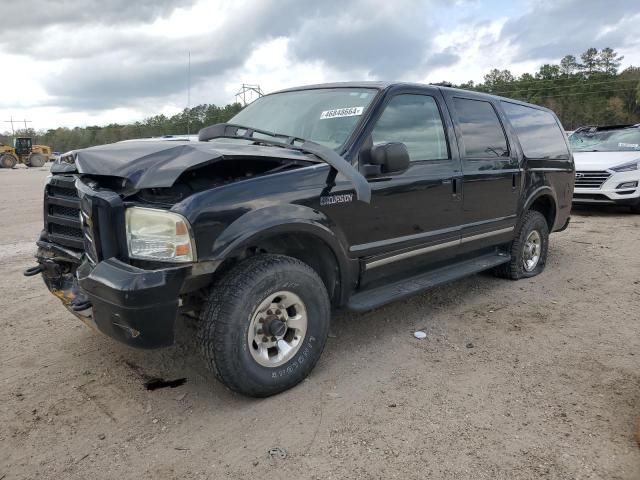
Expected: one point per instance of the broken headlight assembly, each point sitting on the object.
(154, 234)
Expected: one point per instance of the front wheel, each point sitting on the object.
(265, 324)
(37, 160)
(528, 249)
(8, 160)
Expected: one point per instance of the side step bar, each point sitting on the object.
(376, 297)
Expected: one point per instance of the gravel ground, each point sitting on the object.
(516, 380)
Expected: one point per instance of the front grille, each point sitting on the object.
(61, 212)
(63, 191)
(65, 231)
(591, 179)
(89, 239)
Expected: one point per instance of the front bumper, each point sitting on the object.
(134, 306)
(609, 192)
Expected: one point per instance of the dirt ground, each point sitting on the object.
(516, 380)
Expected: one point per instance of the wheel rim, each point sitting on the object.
(531, 251)
(277, 329)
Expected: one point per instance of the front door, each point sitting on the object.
(414, 216)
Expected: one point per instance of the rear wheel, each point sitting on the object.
(528, 249)
(8, 160)
(265, 324)
(37, 160)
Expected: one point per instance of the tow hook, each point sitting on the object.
(78, 305)
(30, 272)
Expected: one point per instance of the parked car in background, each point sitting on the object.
(607, 162)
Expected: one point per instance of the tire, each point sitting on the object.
(635, 208)
(8, 160)
(533, 226)
(239, 306)
(37, 160)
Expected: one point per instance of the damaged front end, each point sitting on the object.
(58, 267)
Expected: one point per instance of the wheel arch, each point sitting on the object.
(543, 200)
(310, 240)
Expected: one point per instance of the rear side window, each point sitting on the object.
(415, 121)
(480, 128)
(539, 134)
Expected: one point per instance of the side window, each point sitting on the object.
(415, 121)
(481, 130)
(539, 134)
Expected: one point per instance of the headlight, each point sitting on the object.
(159, 235)
(627, 167)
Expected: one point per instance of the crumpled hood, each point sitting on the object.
(148, 164)
(603, 160)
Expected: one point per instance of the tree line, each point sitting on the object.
(588, 90)
(191, 120)
(584, 90)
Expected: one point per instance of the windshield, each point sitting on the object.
(619, 140)
(326, 116)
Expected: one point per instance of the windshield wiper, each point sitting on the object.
(329, 156)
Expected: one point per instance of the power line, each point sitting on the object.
(13, 132)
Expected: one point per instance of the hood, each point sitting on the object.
(603, 160)
(154, 164)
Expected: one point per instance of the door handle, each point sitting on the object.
(455, 186)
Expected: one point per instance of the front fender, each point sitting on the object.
(260, 224)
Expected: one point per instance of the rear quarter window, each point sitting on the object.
(539, 133)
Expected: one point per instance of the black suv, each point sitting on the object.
(311, 199)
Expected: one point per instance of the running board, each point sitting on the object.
(376, 297)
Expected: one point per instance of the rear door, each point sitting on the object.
(491, 172)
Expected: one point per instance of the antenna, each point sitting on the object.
(248, 89)
(189, 95)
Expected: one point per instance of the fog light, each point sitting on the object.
(628, 185)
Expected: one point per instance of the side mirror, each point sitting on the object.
(388, 157)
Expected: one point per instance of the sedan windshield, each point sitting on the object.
(618, 140)
(326, 116)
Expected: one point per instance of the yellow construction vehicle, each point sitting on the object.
(24, 151)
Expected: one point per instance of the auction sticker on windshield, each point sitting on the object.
(342, 112)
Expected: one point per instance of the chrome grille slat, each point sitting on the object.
(61, 212)
(593, 179)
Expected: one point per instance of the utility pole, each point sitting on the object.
(11, 121)
(189, 95)
(13, 132)
(248, 89)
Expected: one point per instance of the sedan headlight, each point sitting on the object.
(627, 167)
(159, 235)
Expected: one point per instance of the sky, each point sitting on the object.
(93, 62)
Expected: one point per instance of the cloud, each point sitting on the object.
(125, 66)
(550, 30)
(118, 60)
